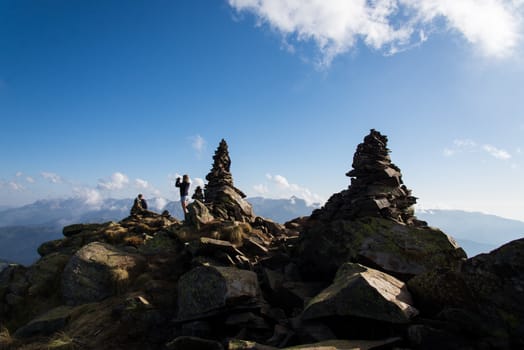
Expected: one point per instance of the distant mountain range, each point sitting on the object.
(281, 210)
(475, 232)
(24, 228)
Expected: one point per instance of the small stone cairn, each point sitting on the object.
(199, 194)
(376, 187)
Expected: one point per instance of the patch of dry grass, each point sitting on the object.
(133, 240)
(6, 341)
(61, 341)
(115, 234)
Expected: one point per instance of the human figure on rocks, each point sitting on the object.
(184, 191)
(139, 205)
(199, 194)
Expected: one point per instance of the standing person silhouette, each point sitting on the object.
(184, 191)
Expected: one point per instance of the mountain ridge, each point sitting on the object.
(43, 220)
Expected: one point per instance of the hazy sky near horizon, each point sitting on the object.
(111, 98)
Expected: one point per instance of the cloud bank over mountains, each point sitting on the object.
(494, 27)
(278, 186)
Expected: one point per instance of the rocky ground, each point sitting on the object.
(360, 273)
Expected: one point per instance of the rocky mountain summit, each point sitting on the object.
(360, 273)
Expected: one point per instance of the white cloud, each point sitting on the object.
(15, 186)
(467, 145)
(141, 184)
(198, 143)
(496, 152)
(449, 152)
(52, 177)
(198, 182)
(261, 189)
(90, 196)
(281, 181)
(285, 189)
(492, 25)
(459, 146)
(28, 178)
(336, 26)
(160, 203)
(116, 182)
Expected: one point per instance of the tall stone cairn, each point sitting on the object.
(220, 174)
(220, 195)
(376, 187)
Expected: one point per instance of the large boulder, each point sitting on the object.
(97, 271)
(198, 214)
(229, 204)
(488, 287)
(75, 229)
(207, 290)
(401, 250)
(47, 323)
(358, 291)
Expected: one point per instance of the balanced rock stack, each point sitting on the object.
(376, 183)
(221, 196)
(376, 186)
(373, 223)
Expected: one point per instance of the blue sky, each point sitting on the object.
(110, 98)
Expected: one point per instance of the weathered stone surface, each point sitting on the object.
(490, 286)
(97, 271)
(269, 226)
(44, 275)
(229, 204)
(246, 320)
(400, 250)
(209, 245)
(425, 337)
(46, 324)
(237, 344)
(254, 247)
(340, 344)
(363, 292)
(199, 214)
(206, 290)
(74, 229)
(287, 293)
(193, 343)
(160, 243)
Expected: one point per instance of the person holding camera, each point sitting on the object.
(184, 191)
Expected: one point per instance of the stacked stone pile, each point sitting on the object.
(376, 183)
(373, 222)
(376, 189)
(220, 173)
(221, 196)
